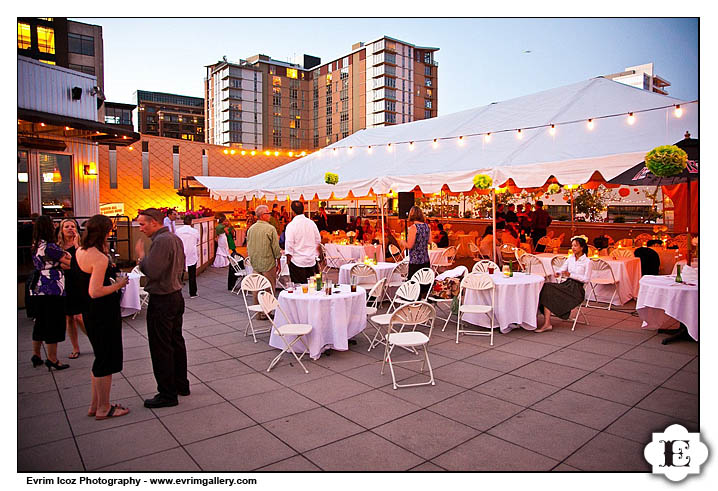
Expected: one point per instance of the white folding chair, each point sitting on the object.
(268, 303)
(425, 276)
(483, 266)
(250, 284)
(446, 260)
(601, 274)
(413, 314)
(332, 262)
(397, 277)
(518, 253)
(365, 274)
(372, 307)
(556, 263)
(239, 272)
(544, 241)
(442, 301)
(533, 265)
(624, 243)
(395, 253)
(475, 252)
(408, 292)
(561, 279)
(620, 253)
(476, 282)
(144, 295)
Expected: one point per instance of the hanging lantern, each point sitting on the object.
(623, 192)
(56, 176)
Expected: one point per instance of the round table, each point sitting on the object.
(462, 244)
(662, 301)
(334, 318)
(383, 270)
(683, 262)
(130, 301)
(516, 301)
(435, 255)
(354, 252)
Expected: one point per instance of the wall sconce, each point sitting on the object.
(90, 169)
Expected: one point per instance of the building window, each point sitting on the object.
(390, 118)
(55, 183)
(46, 40)
(428, 92)
(329, 79)
(427, 104)
(82, 68)
(276, 81)
(23, 187)
(291, 72)
(277, 141)
(23, 40)
(427, 113)
(80, 44)
(427, 83)
(427, 71)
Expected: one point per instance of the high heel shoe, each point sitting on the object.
(57, 365)
(36, 361)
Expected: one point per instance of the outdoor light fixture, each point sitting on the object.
(266, 153)
(130, 147)
(243, 152)
(589, 124)
(436, 143)
(226, 152)
(276, 154)
(67, 128)
(552, 129)
(90, 169)
(487, 137)
(678, 111)
(368, 149)
(253, 153)
(290, 154)
(388, 147)
(232, 151)
(519, 135)
(631, 118)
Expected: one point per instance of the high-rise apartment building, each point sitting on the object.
(170, 115)
(262, 103)
(643, 77)
(65, 43)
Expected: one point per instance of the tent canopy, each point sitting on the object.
(365, 162)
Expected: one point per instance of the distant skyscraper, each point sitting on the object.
(262, 103)
(643, 77)
(170, 115)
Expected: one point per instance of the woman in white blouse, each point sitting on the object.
(560, 298)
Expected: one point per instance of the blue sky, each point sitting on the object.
(480, 60)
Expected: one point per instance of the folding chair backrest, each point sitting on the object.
(413, 314)
(473, 248)
(394, 251)
(409, 290)
(376, 292)
(234, 263)
(519, 253)
(255, 282)
(247, 262)
(267, 301)
(556, 263)
(544, 241)
(449, 255)
(402, 269)
(483, 266)
(363, 271)
(592, 250)
(601, 266)
(425, 276)
(533, 265)
(477, 281)
(616, 253)
(641, 238)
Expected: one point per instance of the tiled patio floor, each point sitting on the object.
(561, 400)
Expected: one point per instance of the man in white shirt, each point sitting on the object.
(301, 244)
(190, 240)
(169, 220)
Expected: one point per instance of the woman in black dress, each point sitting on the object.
(68, 239)
(561, 298)
(101, 313)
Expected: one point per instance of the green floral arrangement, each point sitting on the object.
(553, 188)
(331, 178)
(666, 161)
(482, 181)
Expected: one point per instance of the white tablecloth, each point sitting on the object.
(516, 301)
(130, 300)
(334, 318)
(383, 270)
(353, 253)
(435, 255)
(683, 262)
(662, 301)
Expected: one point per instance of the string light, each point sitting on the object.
(631, 118)
(266, 153)
(487, 137)
(226, 152)
(130, 147)
(253, 153)
(678, 111)
(519, 134)
(290, 153)
(436, 143)
(552, 130)
(302, 154)
(276, 154)
(244, 152)
(589, 124)
(233, 151)
(388, 147)
(368, 149)
(411, 146)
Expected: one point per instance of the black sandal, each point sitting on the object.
(111, 413)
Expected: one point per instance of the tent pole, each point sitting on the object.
(688, 211)
(493, 221)
(573, 227)
(383, 241)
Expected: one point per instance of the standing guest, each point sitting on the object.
(417, 242)
(162, 266)
(511, 216)
(301, 245)
(524, 216)
(169, 220)
(486, 243)
(322, 220)
(560, 298)
(190, 242)
(222, 250)
(390, 239)
(500, 217)
(101, 313)
(263, 248)
(284, 216)
(68, 239)
(434, 231)
(274, 221)
(442, 236)
(48, 293)
(251, 219)
(540, 221)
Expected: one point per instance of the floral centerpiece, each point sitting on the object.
(666, 161)
(331, 178)
(482, 181)
(553, 189)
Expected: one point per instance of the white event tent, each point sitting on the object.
(625, 123)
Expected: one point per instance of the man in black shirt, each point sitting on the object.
(511, 216)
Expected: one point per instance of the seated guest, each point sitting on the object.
(650, 260)
(560, 298)
(654, 242)
(356, 227)
(367, 231)
(442, 237)
(389, 238)
(487, 242)
(510, 235)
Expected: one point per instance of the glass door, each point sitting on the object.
(55, 183)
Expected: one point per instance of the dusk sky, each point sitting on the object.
(480, 60)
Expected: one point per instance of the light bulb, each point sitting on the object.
(631, 118)
(303, 154)
(388, 147)
(368, 149)
(411, 146)
(589, 124)
(232, 151)
(678, 111)
(519, 134)
(487, 137)
(291, 154)
(266, 153)
(461, 140)
(226, 152)
(436, 143)
(253, 153)
(552, 130)
(276, 154)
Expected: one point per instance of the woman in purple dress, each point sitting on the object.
(48, 293)
(417, 241)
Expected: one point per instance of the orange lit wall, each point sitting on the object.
(161, 192)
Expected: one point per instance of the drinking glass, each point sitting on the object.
(305, 288)
(290, 287)
(491, 269)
